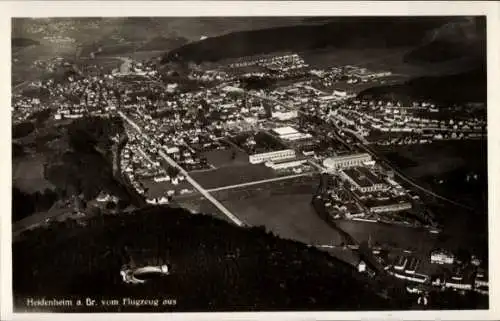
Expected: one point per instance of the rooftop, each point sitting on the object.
(358, 177)
(287, 130)
(350, 156)
(363, 176)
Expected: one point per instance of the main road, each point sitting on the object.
(269, 180)
(195, 184)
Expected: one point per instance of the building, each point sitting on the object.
(285, 115)
(400, 263)
(475, 261)
(274, 156)
(481, 284)
(163, 178)
(157, 200)
(419, 278)
(340, 93)
(286, 163)
(362, 179)
(361, 266)
(290, 134)
(441, 256)
(346, 161)
(171, 150)
(396, 207)
(458, 285)
(412, 266)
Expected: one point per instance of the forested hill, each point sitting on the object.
(23, 42)
(452, 41)
(442, 50)
(163, 43)
(214, 265)
(342, 32)
(450, 89)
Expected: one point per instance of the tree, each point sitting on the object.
(172, 171)
(110, 205)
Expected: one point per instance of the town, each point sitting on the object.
(275, 119)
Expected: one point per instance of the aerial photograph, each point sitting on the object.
(239, 164)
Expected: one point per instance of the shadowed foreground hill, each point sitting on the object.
(214, 266)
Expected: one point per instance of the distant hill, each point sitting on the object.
(23, 42)
(454, 40)
(442, 50)
(343, 32)
(458, 88)
(215, 266)
(163, 43)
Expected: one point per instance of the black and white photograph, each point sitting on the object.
(249, 163)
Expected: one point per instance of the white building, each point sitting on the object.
(340, 93)
(481, 279)
(400, 263)
(361, 266)
(411, 268)
(391, 207)
(346, 161)
(172, 150)
(286, 164)
(162, 179)
(272, 156)
(442, 257)
(290, 134)
(458, 285)
(420, 278)
(285, 115)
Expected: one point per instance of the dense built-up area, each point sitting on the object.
(176, 137)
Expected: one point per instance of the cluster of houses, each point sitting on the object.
(368, 117)
(23, 107)
(348, 74)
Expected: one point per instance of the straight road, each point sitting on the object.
(260, 182)
(146, 156)
(195, 184)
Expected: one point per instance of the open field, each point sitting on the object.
(444, 167)
(223, 157)
(28, 175)
(435, 161)
(232, 175)
(438, 157)
(290, 216)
